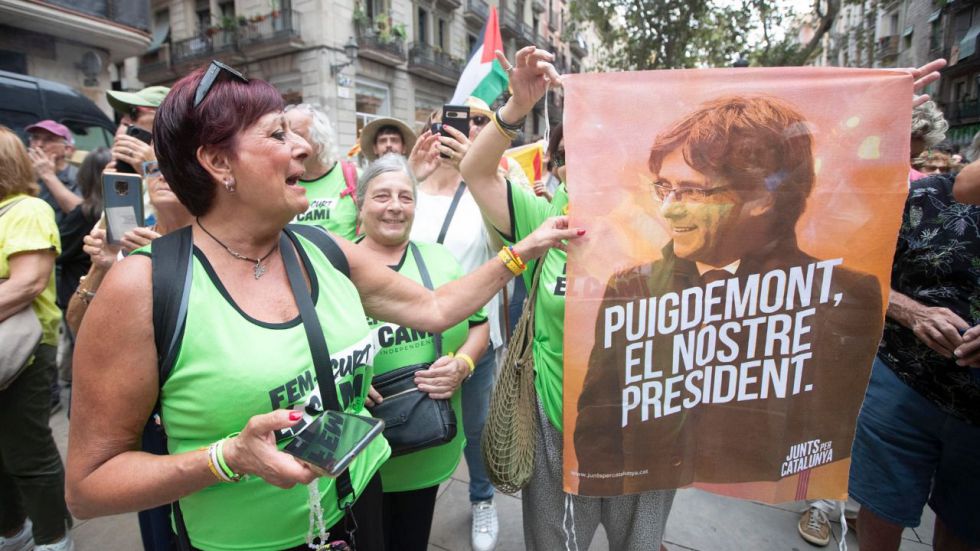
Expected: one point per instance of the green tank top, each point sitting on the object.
(327, 208)
(231, 367)
(402, 346)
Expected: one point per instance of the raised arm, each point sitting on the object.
(530, 77)
(391, 297)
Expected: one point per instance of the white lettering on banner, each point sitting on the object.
(733, 340)
(807, 455)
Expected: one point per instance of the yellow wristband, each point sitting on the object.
(469, 361)
(511, 136)
(508, 260)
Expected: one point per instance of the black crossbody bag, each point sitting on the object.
(413, 421)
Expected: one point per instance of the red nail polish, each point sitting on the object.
(295, 415)
(581, 232)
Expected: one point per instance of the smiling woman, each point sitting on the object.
(236, 170)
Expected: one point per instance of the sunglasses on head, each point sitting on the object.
(211, 76)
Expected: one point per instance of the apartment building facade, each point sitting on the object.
(81, 44)
(408, 56)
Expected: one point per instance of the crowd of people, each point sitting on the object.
(406, 259)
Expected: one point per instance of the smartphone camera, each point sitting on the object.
(121, 187)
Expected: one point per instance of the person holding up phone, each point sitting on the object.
(170, 215)
(136, 110)
(243, 378)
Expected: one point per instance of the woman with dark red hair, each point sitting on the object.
(243, 378)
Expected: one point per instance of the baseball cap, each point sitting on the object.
(55, 128)
(151, 96)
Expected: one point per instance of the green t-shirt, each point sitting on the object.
(402, 346)
(231, 367)
(29, 226)
(527, 212)
(328, 209)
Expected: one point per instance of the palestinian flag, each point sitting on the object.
(483, 75)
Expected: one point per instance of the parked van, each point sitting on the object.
(25, 100)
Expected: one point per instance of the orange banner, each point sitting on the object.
(725, 307)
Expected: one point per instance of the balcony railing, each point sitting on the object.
(384, 48)
(476, 12)
(424, 60)
(251, 34)
(208, 44)
(961, 111)
(887, 46)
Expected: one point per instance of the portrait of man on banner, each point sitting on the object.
(736, 355)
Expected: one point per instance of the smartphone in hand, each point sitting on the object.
(122, 196)
(456, 116)
(332, 440)
(140, 134)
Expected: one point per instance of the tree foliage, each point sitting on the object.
(672, 34)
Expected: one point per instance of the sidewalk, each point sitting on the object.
(699, 521)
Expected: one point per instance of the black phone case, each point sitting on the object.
(461, 123)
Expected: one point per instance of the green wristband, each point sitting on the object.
(235, 477)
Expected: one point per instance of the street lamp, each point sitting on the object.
(350, 50)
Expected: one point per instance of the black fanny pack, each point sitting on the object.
(413, 421)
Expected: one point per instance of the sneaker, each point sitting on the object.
(814, 527)
(21, 541)
(483, 537)
(65, 544)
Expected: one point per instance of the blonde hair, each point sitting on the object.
(16, 171)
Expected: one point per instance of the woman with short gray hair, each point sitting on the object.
(386, 194)
(329, 182)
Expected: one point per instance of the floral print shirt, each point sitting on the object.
(937, 263)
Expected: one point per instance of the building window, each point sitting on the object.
(442, 35)
(371, 101)
(422, 26)
(376, 8)
(470, 43)
(202, 10)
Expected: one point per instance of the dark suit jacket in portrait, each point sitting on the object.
(736, 441)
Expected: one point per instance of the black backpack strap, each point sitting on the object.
(452, 210)
(325, 242)
(171, 276)
(427, 281)
(318, 349)
(171, 261)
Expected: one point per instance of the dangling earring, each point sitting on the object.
(230, 185)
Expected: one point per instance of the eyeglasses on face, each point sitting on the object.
(45, 138)
(211, 76)
(151, 169)
(480, 120)
(661, 191)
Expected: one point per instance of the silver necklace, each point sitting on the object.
(259, 270)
